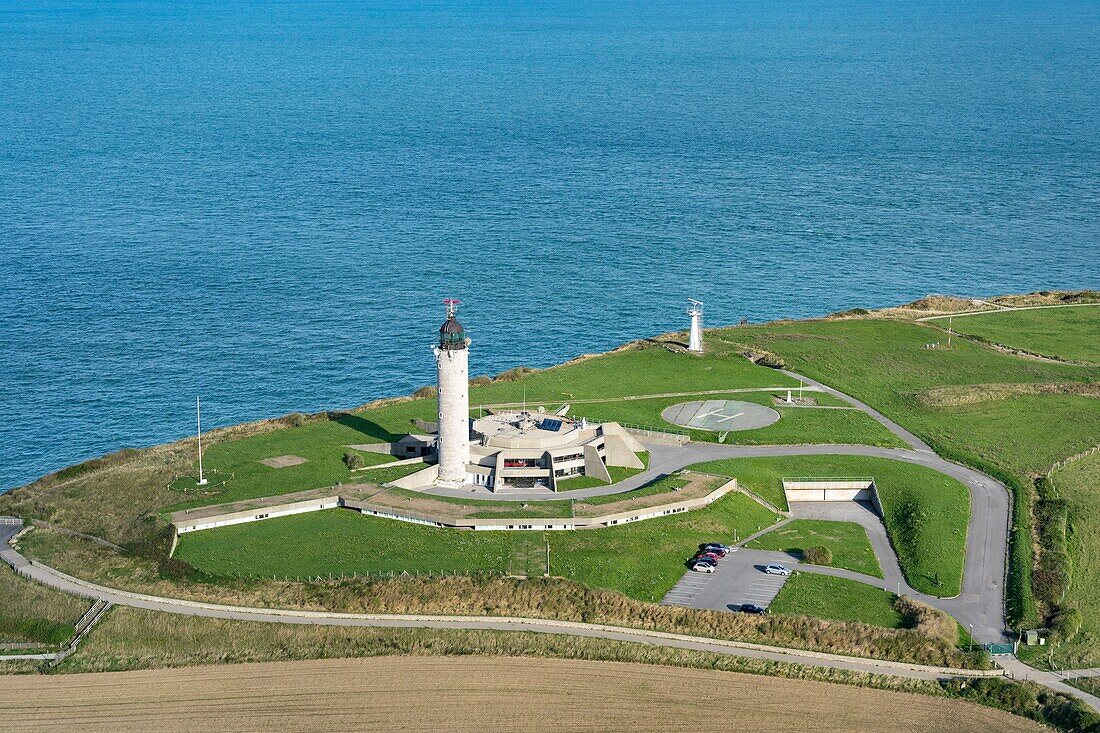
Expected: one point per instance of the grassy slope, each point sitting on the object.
(642, 560)
(341, 542)
(822, 596)
(1080, 484)
(935, 546)
(1063, 333)
(35, 613)
(846, 540)
(885, 364)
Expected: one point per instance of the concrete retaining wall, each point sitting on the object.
(257, 514)
(797, 490)
(363, 506)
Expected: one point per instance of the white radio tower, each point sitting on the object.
(695, 339)
(198, 426)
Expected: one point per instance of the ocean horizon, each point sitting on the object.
(263, 204)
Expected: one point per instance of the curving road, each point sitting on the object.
(980, 605)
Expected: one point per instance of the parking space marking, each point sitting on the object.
(689, 586)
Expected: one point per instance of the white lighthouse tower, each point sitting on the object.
(695, 338)
(452, 360)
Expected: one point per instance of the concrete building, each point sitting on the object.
(452, 360)
(526, 450)
(695, 336)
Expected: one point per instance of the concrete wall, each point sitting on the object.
(593, 464)
(258, 513)
(831, 490)
(504, 524)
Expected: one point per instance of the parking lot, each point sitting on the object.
(739, 578)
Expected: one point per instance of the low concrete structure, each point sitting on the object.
(358, 498)
(832, 489)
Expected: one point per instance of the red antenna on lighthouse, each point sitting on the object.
(452, 305)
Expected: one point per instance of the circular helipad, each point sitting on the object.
(720, 415)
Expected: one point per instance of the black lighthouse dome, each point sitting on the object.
(451, 334)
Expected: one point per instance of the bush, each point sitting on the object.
(481, 380)
(1066, 623)
(512, 375)
(929, 621)
(425, 392)
(354, 461)
(818, 556)
(1049, 586)
(295, 419)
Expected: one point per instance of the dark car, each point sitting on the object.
(751, 608)
(712, 551)
(704, 560)
(715, 546)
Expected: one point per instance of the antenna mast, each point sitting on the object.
(198, 426)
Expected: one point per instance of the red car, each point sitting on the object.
(716, 554)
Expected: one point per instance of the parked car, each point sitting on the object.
(703, 567)
(751, 608)
(716, 546)
(703, 561)
(712, 555)
(777, 569)
(712, 551)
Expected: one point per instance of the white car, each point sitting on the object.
(777, 569)
(704, 567)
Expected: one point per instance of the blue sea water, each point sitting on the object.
(264, 202)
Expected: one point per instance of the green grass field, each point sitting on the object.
(1079, 483)
(839, 599)
(642, 559)
(1072, 334)
(796, 424)
(342, 542)
(926, 512)
(640, 371)
(846, 540)
(884, 363)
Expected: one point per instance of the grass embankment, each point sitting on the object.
(840, 599)
(926, 512)
(885, 363)
(1069, 333)
(33, 613)
(552, 598)
(846, 542)
(1079, 486)
(642, 559)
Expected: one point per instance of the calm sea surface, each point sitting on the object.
(263, 203)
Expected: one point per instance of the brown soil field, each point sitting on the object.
(472, 694)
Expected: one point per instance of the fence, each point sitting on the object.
(1001, 649)
(11, 521)
(1076, 457)
(366, 575)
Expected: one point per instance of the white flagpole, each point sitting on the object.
(198, 424)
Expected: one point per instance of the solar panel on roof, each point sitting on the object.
(553, 425)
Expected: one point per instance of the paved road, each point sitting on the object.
(52, 578)
(981, 603)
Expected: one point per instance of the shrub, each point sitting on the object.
(511, 375)
(929, 621)
(1049, 585)
(818, 556)
(425, 392)
(354, 461)
(481, 380)
(1066, 623)
(296, 419)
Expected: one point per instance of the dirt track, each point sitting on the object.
(471, 694)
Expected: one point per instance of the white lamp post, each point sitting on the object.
(198, 426)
